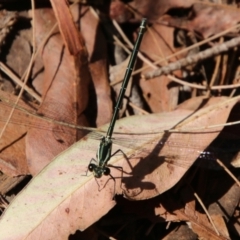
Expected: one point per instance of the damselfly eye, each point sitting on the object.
(91, 166)
(106, 171)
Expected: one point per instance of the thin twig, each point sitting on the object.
(206, 211)
(138, 108)
(25, 77)
(15, 79)
(215, 72)
(189, 48)
(27, 72)
(228, 171)
(140, 55)
(192, 85)
(220, 48)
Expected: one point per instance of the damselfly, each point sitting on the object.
(104, 152)
(132, 135)
(178, 152)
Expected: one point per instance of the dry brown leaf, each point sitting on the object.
(65, 91)
(206, 19)
(12, 154)
(140, 185)
(197, 221)
(160, 93)
(119, 12)
(200, 225)
(155, 9)
(60, 200)
(72, 39)
(97, 50)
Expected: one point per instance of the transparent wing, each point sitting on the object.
(177, 151)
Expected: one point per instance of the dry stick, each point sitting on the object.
(200, 86)
(3, 202)
(27, 72)
(206, 211)
(206, 127)
(15, 79)
(232, 62)
(119, 43)
(168, 225)
(215, 72)
(224, 47)
(140, 55)
(112, 238)
(228, 171)
(190, 47)
(224, 71)
(183, 51)
(138, 108)
(25, 76)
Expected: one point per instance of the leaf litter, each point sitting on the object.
(63, 184)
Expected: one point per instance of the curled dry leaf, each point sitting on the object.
(72, 39)
(62, 199)
(182, 207)
(209, 228)
(200, 225)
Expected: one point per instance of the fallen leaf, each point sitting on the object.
(206, 19)
(61, 200)
(65, 92)
(12, 143)
(97, 50)
(72, 39)
(161, 94)
(153, 9)
(119, 12)
(150, 177)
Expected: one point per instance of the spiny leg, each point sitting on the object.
(119, 150)
(121, 170)
(125, 156)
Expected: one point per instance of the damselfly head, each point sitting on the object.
(98, 171)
